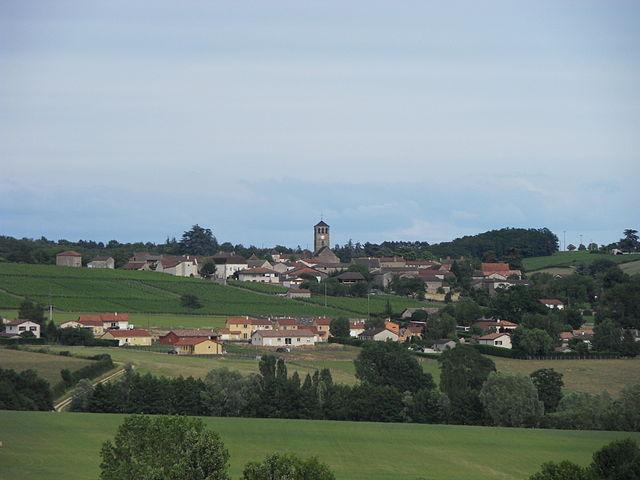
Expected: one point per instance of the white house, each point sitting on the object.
(284, 338)
(228, 265)
(502, 340)
(259, 274)
(356, 327)
(552, 303)
(18, 327)
(102, 262)
(380, 334)
(185, 266)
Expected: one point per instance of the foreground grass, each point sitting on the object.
(39, 445)
(568, 259)
(47, 366)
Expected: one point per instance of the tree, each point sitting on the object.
(419, 315)
(227, 393)
(531, 342)
(24, 391)
(549, 384)
(339, 327)
(198, 241)
(571, 247)
(389, 363)
(287, 467)
(467, 311)
(581, 247)
(208, 270)
(619, 460)
(573, 317)
(51, 332)
(463, 372)
(511, 401)
(564, 470)
(189, 300)
(607, 336)
(75, 336)
(30, 310)
(629, 347)
(630, 240)
(441, 326)
(168, 448)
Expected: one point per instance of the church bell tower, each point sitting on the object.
(321, 236)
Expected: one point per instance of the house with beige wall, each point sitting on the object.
(136, 336)
(69, 259)
(198, 346)
(284, 338)
(245, 326)
(18, 327)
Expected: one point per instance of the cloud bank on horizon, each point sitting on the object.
(416, 121)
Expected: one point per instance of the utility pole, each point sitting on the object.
(564, 240)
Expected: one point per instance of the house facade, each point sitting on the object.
(228, 265)
(259, 274)
(501, 340)
(184, 266)
(18, 327)
(245, 326)
(102, 262)
(198, 346)
(69, 259)
(379, 335)
(283, 338)
(133, 337)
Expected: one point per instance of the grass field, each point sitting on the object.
(87, 290)
(337, 358)
(591, 376)
(39, 445)
(375, 303)
(568, 259)
(47, 366)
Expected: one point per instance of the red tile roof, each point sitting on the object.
(68, 253)
(135, 332)
(493, 336)
(495, 267)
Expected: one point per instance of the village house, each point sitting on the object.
(356, 327)
(198, 346)
(284, 338)
(179, 266)
(499, 268)
(408, 312)
(371, 263)
(552, 303)
(349, 278)
(98, 324)
(259, 274)
(502, 340)
(228, 264)
(442, 345)
(18, 327)
(489, 325)
(392, 262)
(69, 259)
(132, 337)
(298, 293)
(285, 324)
(102, 262)
(173, 336)
(254, 262)
(380, 334)
(245, 326)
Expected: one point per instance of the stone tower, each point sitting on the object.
(320, 236)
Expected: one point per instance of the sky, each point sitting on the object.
(410, 120)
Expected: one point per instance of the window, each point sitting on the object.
(287, 341)
(244, 326)
(244, 335)
(22, 329)
(297, 339)
(498, 342)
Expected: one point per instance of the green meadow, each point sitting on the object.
(572, 259)
(38, 445)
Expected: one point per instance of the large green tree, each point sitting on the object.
(164, 448)
(287, 467)
(198, 241)
(30, 310)
(390, 364)
(549, 384)
(511, 401)
(463, 372)
(339, 327)
(532, 342)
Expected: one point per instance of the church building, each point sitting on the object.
(320, 237)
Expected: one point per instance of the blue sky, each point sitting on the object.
(396, 120)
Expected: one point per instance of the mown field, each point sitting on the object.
(47, 366)
(590, 376)
(39, 445)
(85, 290)
(568, 259)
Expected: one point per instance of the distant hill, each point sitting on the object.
(573, 259)
(103, 290)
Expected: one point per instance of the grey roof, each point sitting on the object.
(321, 224)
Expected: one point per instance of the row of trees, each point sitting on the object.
(392, 388)
(177, 448)
(24, 391)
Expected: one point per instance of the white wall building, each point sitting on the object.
(502, 340)
(18, 327)
(284, 338)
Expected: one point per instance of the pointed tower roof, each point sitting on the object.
(321, 224)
